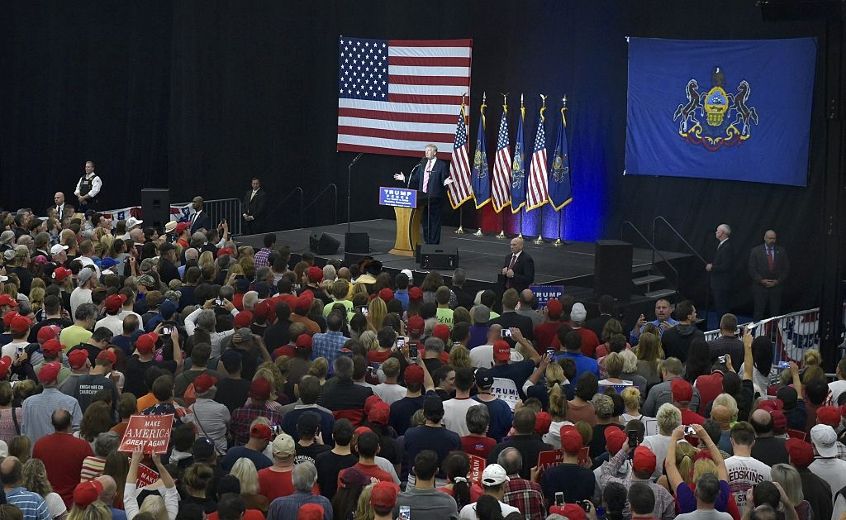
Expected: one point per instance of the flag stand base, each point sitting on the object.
(539, 240)
(558, 243)
(478, 233)
(459, 231)
(501, 235)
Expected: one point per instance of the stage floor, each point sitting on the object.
(481, 257)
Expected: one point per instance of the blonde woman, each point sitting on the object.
(36, 297)
(459, 357)
(35, 480)
(206, 259)
(164, 506)
(376, 312)
(364, 510)
(558, 411)
(245, 471)
(631, 400)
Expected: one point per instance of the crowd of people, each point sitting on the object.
(347, 392)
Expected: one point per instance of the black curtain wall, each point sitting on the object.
(199, 96)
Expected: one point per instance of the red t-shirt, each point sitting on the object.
(275, 484)
(371, 470)
(546, 335)
(62, 454)
(480, 446)
(249, 514)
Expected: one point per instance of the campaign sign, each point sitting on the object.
(146, 476)
(477, 467)
(544, 293)
(397, 197)
(151, 433)
(506, 390)
(547, 459)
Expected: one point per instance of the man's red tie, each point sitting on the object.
(770, 259)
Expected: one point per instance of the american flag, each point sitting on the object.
(502, 167)
(459, 168)
(538, 188)
(397, 96)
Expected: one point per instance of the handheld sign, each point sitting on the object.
(151, 433)
(547, 459)
(146, 476)
(477, 467)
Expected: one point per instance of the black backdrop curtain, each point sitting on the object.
(199, 96)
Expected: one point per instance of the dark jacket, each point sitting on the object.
(676, 341)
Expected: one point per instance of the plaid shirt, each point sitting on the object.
(244, 416)
(261, 258)
(526, 496)
(327, 345)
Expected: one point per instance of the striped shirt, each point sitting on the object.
(31, 504)
(261, 258)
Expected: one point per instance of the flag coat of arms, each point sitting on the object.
(560, 188)
(518, 167)
(481, 176)
(501, 182)
(397, 96)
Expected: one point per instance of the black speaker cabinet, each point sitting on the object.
(323, 244)
(155, 207)
(438, 257)
(613, 269)
(357, 243)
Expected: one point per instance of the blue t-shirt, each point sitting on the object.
(583, 363)
(236, 452)
(501, 418)
(438, 439)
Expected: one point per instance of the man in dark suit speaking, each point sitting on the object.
(721, 270)
(430, 177)
(518, 270)
(768, 267)
(254, 206)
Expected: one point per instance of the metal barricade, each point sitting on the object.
(791, 334)
(219, 209)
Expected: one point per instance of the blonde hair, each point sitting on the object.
(364, 510)
(245, 471)
(36, 298)
(376, 312)
(35, 477)
(95, 511)
(684, 460)
(631, 398)
(154, 504)
(613, 365)
(703, 467)
(729, 402)
(554, 374)
(811, 357)
(319, 368)
(629, 361)
(459, 357)
(669, 418)
(206, 259)
(369, 340)
(790, 481)
(557, 403)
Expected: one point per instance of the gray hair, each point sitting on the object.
(105, 443)
(206, 320)
(481, 314)
(343, 367)
(304, 476)
(329, 273)
(725, 228)
(511, 460)
(478, 419)
(191, 254)
(85, 311)
(459, 276)
(669, 418)
(434, 345)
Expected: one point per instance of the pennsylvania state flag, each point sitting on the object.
(732, 109)
(518, 166)
(480, 177)
(560, 187)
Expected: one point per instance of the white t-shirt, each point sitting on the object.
(11, 349)
(455, 415)
(55, 505)
(743, 474)
(836, 388)
(389, 393)
(482, 356)
(468, 512)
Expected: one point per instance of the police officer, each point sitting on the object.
(88, 188)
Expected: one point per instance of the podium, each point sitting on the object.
(408, 215)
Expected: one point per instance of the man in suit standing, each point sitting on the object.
(430, 177)
(199, 219)
(768, 267)
(721, 270)
(518, 270)
(254, 206)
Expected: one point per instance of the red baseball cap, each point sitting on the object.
(441, 331)
(304, 341)
(413, 374)
(416, 324)
(60, 274)
(49, 371)
(682, 390)
(315, 274)
(20, 324)
(542, 422)
(146, 343)
(48, 332)
(77, 358)
(571, 439)
(260, 389)
(5, 365)
(224, 251)
(181, 227)
(501, 351)
(108, 355)
(310, 512)
(261, 309)
(771, 404)
(303, 302)
(644, 460)
(379, 413)
(370, 402)
(243, 319)
(415, 294)
(779, 421)
(203, 383)
(114, 303)
(614, 439)
(261, 431)
(569, 511)
(829, 415)
(8, 317)
(554, 308)
(386, 294)
(384, 495)
(6, 299)
(51, 347)
(86, 493)
(801, 453)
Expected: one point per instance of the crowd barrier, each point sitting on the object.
(217, 209)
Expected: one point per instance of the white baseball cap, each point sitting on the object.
(824, 439)
(494, 475)
(58, 248)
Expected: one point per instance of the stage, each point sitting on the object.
(571, 264)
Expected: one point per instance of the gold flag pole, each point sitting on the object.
(523, 118)
(539, 241)
(460, 230)
(501, 234)
(478, 232)
(558, 242)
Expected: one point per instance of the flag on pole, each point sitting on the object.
(537, 192)
(502, 165)
(560, 190)
(397, 96)
(459, 190)
(481, 177)
(518, 166)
